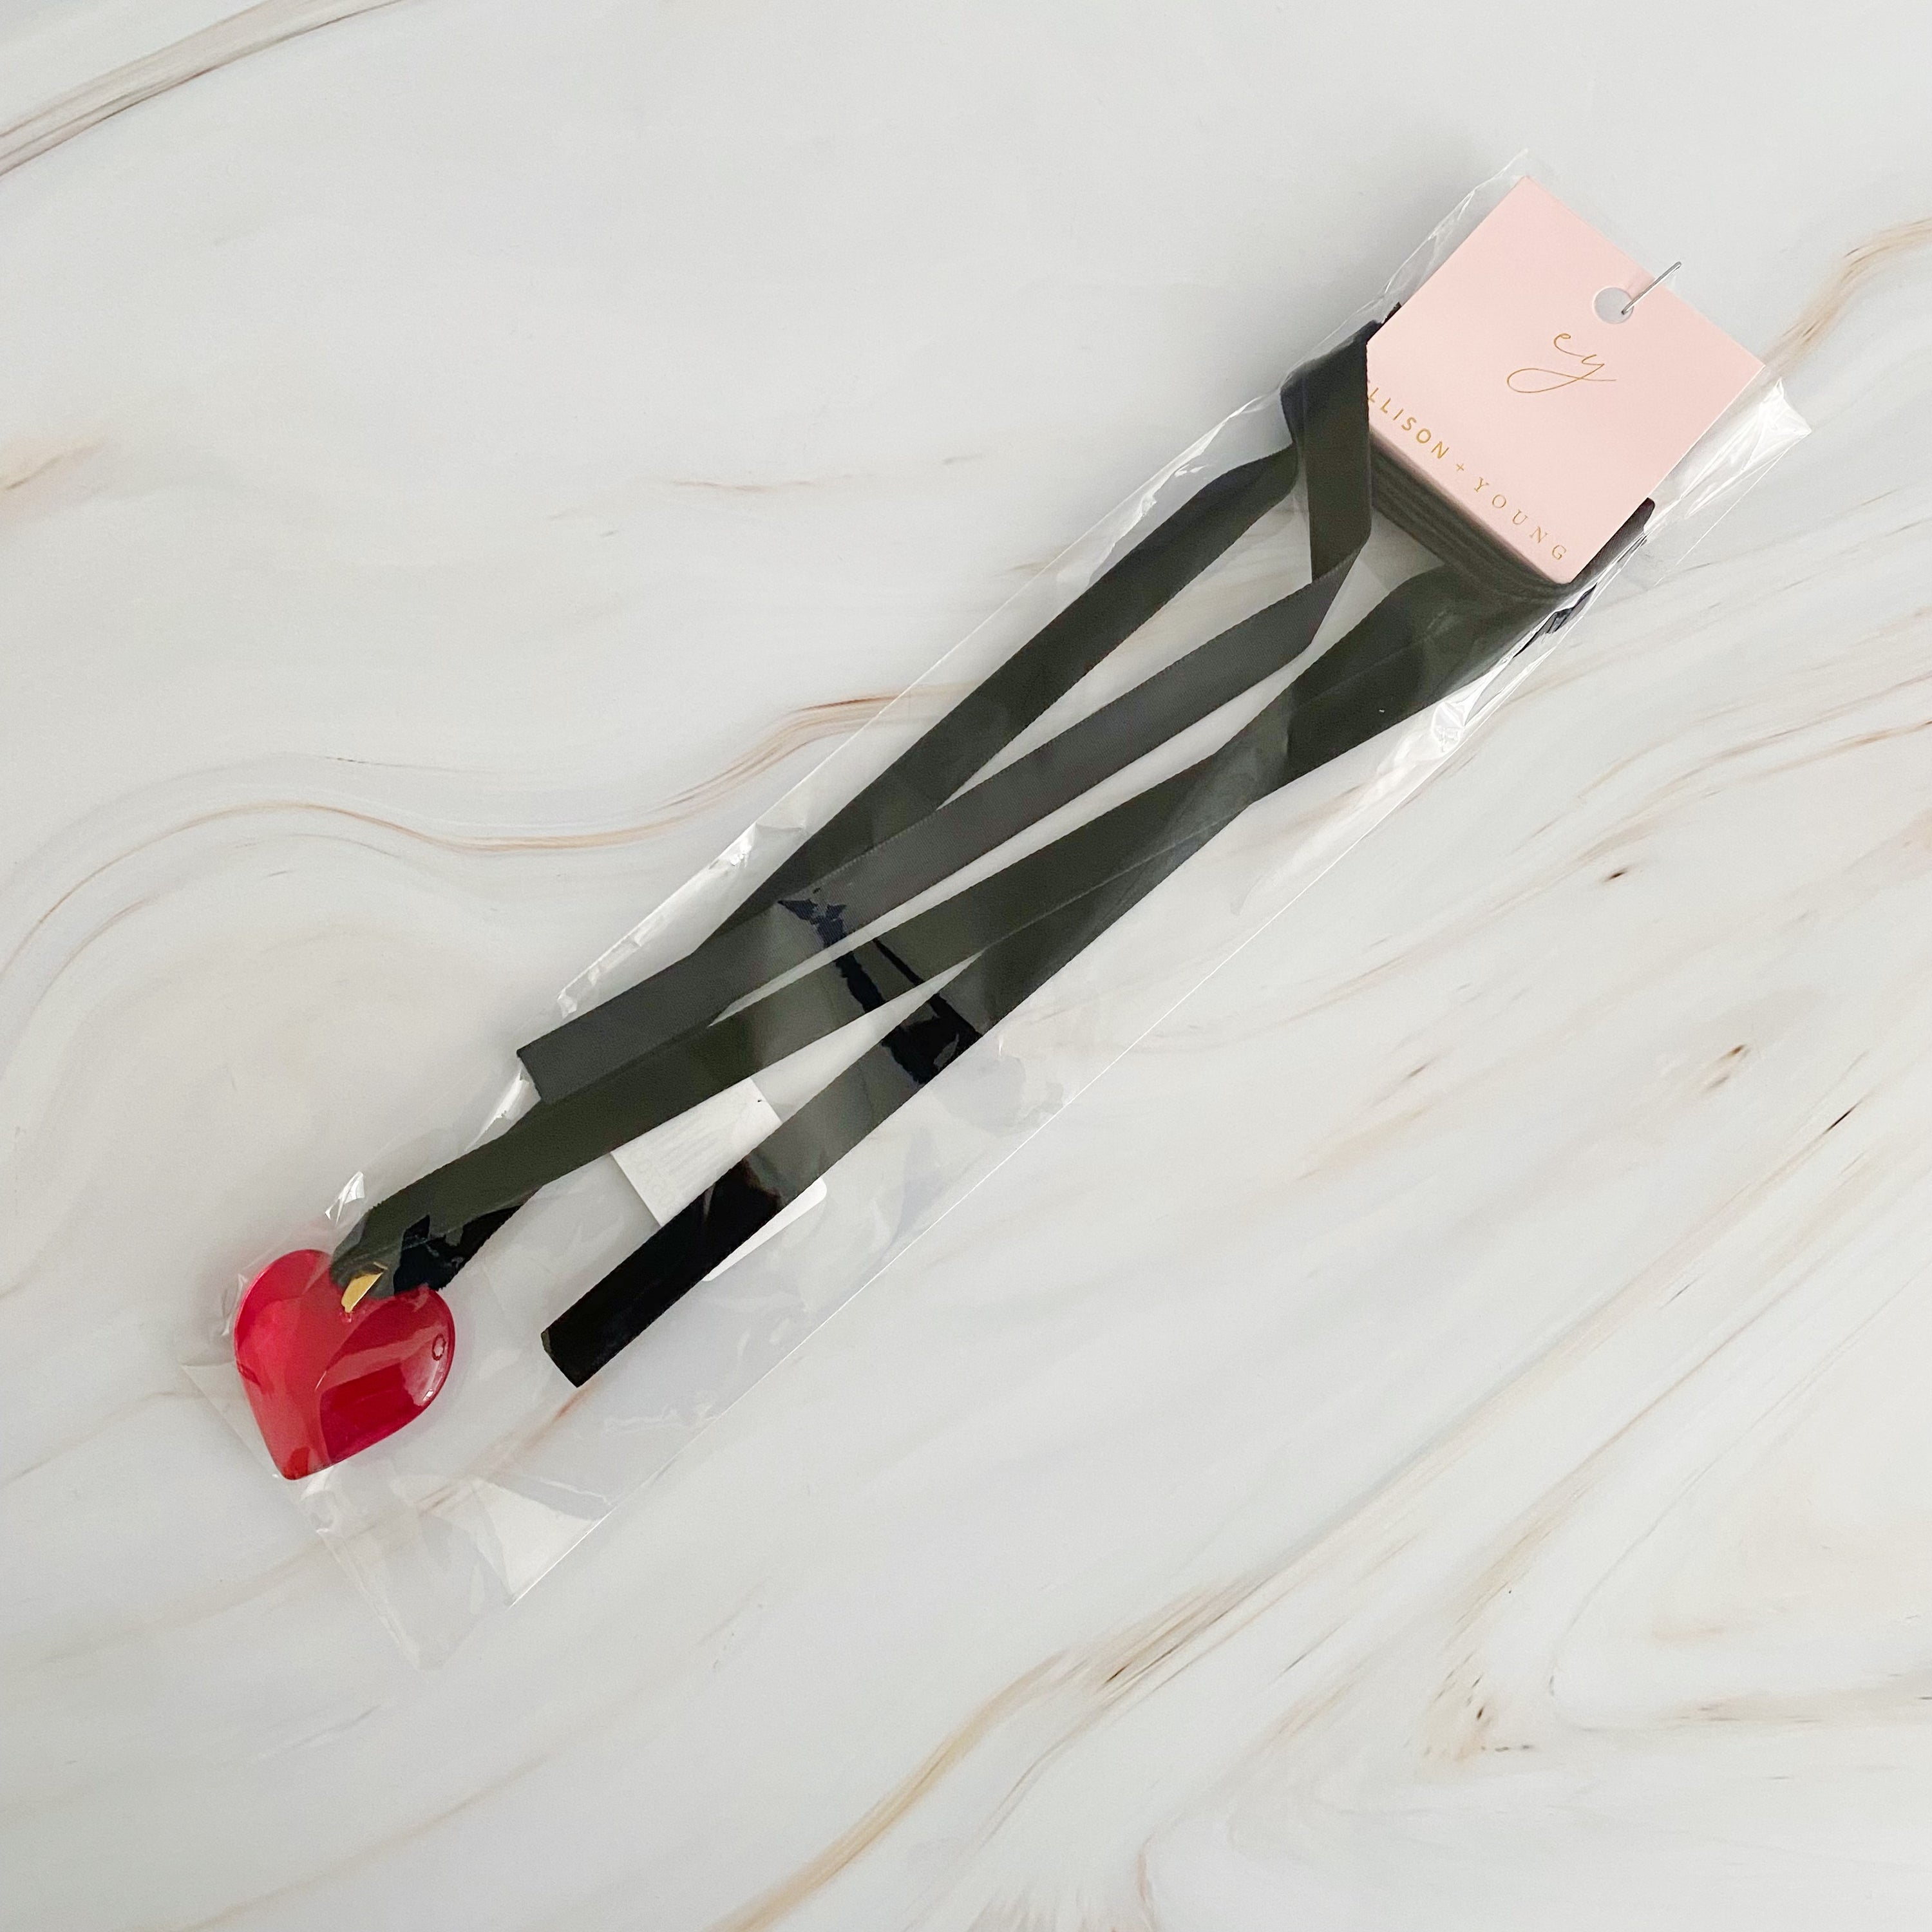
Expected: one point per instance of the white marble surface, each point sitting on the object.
(1436, 1438)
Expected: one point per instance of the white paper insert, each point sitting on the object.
(673, 1165)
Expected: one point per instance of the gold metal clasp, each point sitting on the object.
(359, 1287)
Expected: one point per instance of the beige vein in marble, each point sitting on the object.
(252, 31)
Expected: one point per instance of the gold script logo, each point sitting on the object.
(1584, 367)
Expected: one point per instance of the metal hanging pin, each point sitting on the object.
(1616, 305)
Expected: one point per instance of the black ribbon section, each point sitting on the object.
(897, 837)
(1443, 636)
(747, 1198)
(649, 1055)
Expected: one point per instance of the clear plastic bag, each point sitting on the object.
(511, 1465)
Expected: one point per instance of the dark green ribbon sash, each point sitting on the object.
(649, 1054)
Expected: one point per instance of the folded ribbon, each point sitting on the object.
(649, 1054)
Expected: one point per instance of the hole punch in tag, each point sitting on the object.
(1516, 386)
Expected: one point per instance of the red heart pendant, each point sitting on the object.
(324, 1383)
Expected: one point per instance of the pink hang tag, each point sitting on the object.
(1500, 381)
